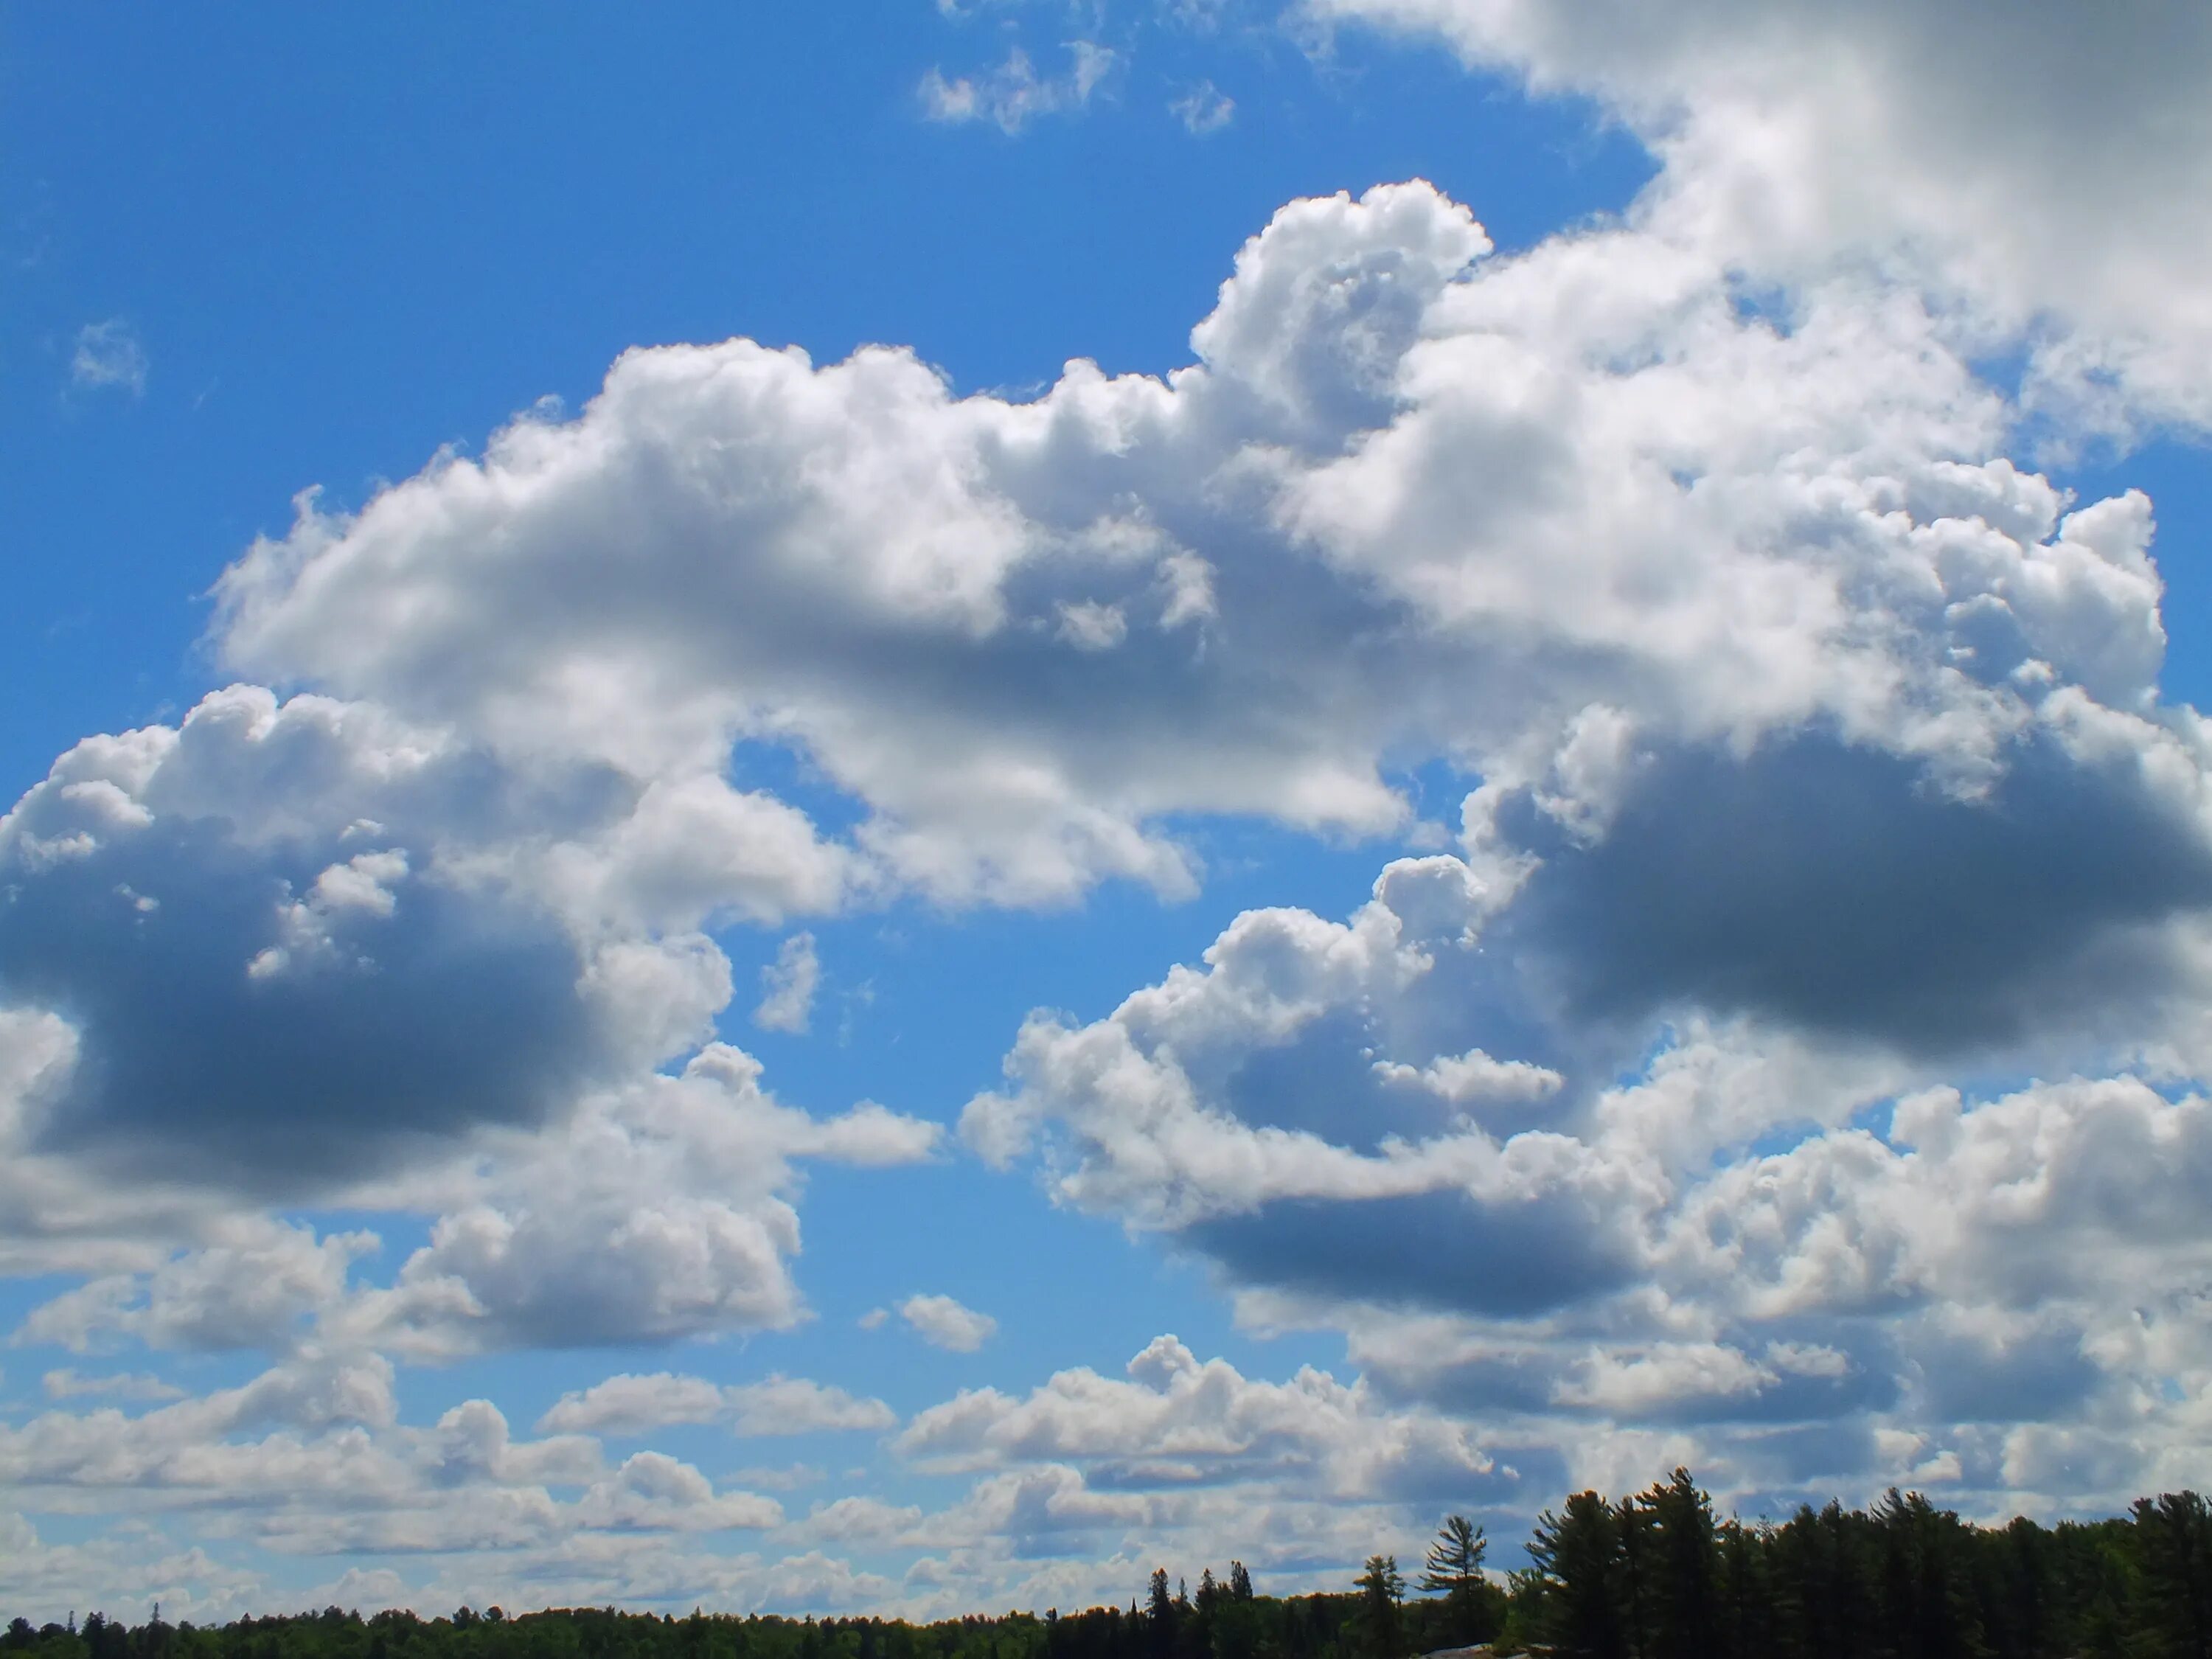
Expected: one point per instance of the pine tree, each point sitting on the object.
(1454, 1569)
(1576, 1558)
(1382, 1588)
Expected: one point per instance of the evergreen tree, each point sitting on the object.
(1160, 1614)
(1683, 1619)
(1454, 1568)
(1576, 1559)
(1382, 1588)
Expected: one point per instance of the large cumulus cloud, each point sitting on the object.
(306, 950)
(2022, 161)
(1535, 515)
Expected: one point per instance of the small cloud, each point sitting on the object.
(873, 1319)
(1090, 626)
(945, 1323)
(108, 355)
(788, 986)
(1013, 94)
(1204, 108)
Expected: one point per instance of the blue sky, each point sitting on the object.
(1549, 821)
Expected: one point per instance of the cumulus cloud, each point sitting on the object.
(1626, 1247)
(277, 956)
(255, 1289)
(1176, 1421)
(663, 1211)
(1546, 516)
(304, 949)
(943, 1323)
(1955, 145)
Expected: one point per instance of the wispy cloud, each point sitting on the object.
(1204, 108)
(108, 354)
(1013, 94)
(788, 986)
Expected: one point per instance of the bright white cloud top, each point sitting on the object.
(1784, 1052)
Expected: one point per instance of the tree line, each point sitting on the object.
(1655, 1575)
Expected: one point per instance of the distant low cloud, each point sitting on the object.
(945, 1323)
(108, 355)
(776, 1405)
(1013, 94)
(789, 984)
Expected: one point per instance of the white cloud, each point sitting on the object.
(256, 1288)
(788, 986)
(945, 1323)
(1619, 1260)
(659, 1212)
(1954, 146)
(108, 354)
(1178, 1422)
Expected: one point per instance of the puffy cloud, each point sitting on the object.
(1959, 145)
(654, 1492)
(1178, 1422)
(257, 1289)
(1567, 520)
(308, 949)
(1746, 1234)
(280, 955)
(945, 1323)
(778, 1405)
(660, 1211)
